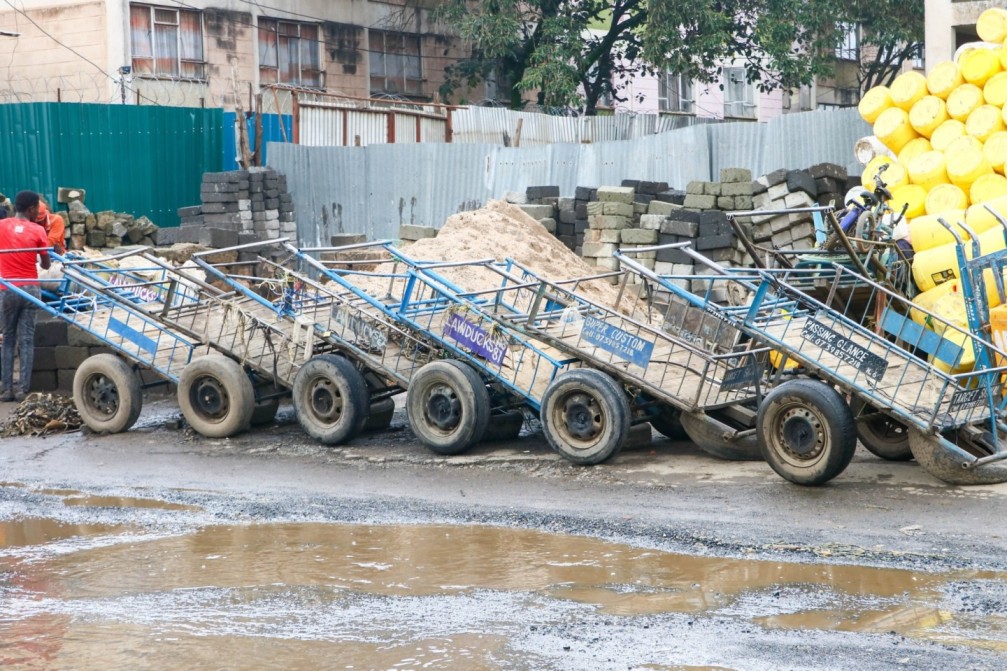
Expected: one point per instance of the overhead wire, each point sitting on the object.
(74, 51)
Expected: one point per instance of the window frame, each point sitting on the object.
(310, 75)
(743, 106)
(676, 94)
(849, 48)
(181, 62)
(410, 84)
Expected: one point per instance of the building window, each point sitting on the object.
(289, 53)
(395, 63)
(166, 42)
(849, 46)
(674, 94)
(917, 57)
(739, 94)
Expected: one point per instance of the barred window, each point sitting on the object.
(674, 94)
(395, 63)
(166, 42)
(289, 53)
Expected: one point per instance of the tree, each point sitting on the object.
(571, 53)
(892, 36)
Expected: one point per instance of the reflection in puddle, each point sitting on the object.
(433, 597)
(21, 533)
(125, 502)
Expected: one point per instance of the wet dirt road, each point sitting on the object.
(158, 549)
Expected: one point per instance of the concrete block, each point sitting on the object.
(44, 380)
(45, 359)
(50, 332)
(725, 203)
(347, 239)
(776, 177)
(685, 229)
(608, 221)
(567, 216)
(674, 196)
(803, 231)
(743, 203)
(711, 188)
(599, 249)
(218, 237)
(617, 208)
(801, 180)
(652, 222)
(782, 240)
(779, 223)
(70, 357)
(700, 202)
(639, 236)
(695, 188)
(582, 193)
(604, 235)
(830, 170)
(411, 232)
(662, 208)
(736, 189)
(607, 263)
(595, 208)
(549, 224)
(538, 211)
(798, 199)
(714, 241)
(778, 192)
(735, 175)
(616, 194)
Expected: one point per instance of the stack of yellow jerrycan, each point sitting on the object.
(947, 133)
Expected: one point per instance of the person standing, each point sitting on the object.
(54, 227)
(21, 241)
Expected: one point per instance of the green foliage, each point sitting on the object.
(571, 53)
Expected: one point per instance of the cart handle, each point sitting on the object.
(247, 245)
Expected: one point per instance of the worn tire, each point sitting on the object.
(708, 434)
(806, 432)
(330, 399)
(380, 415)
(883, 436)
(448, 406)
(216, 396)
(585, 416)
(668, 423)
(107, 394)
(265, 411)
(937, 456)
(504, 426)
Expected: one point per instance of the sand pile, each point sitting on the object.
(499, 231)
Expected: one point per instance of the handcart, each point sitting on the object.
(879, 357)
(677, 368)
(230, 368)
(452, 400)
(377, 356)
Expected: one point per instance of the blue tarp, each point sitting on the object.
(272, 131)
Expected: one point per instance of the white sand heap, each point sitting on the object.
(500, 231)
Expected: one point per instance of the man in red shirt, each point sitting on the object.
(54, 227)
(21, 241)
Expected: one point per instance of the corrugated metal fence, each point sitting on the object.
(141, 160)
(375, 189)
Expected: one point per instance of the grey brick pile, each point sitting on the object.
(238, 207)
(107, 229)
(822, 184)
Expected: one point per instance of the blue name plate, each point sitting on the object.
(614, 340)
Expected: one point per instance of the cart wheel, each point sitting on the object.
(330, 399)
(585, 416)
(505, 426)
(882, 436)
(107, 394)
(708, 434)
(806, 432)
(216, 396)
(265, 411)
(669, 423)
(939, 458)
(380, 415)
(448, 406)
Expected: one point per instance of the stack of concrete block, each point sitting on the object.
(733, 192)
(238, 207)
(785, 190)
(107, 229)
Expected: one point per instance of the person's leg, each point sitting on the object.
(26, 342)
(8, 316)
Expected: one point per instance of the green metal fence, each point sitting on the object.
(141, 160)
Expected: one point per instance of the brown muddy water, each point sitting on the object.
(339, 596)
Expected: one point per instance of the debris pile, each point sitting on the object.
(107, 229)
(41, 414)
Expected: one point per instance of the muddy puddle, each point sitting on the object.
(329, 596)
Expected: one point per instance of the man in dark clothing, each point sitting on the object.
(21, 241)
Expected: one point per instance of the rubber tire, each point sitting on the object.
(340, 378)
(611, 410)
(668, 423)
(239, 396)
(504, 426)
(380, 415)
(467, 396)
(876, 437)
(828, 410)
(708, 434)
(935, 454)
(119, 384)
(265, 411)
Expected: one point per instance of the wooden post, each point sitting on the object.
(257, 156)
(517, 133)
